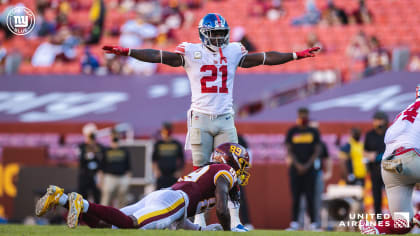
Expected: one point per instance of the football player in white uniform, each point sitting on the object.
(211, 67)
(400, 171)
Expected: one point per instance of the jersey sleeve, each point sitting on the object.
(180, 49)
(230, 175)
(243, 50)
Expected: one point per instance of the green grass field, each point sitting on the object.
(85, 231)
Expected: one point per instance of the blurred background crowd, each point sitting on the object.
(358, 38)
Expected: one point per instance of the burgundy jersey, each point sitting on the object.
(200, 186)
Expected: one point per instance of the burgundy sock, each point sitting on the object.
(110, 215)
(388, 227)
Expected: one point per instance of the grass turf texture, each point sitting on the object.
(85, 231)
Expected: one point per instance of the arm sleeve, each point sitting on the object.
(230, 177)
(180, 49)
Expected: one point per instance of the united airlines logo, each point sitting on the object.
(20, 20)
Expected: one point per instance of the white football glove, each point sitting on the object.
(212, 227)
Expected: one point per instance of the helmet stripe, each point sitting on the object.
(218, 20)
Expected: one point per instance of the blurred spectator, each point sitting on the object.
(60, 46)
(361, 15)
(239, 35)
(311, 16)
(275, 10)
(414, 64)
(374, 148)
(258, 8)
(113, 64)
(89, 62)
(334, 15)
(46, 52)
(359, 47)
(351, 158)
(134, 32)
(115, 174)
(97, 17)
(168, 158)
(90, 155)
(378, 59)
(12, 61)
(303, 146)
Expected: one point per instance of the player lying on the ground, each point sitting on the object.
(194, 193)
(211, 66)
(400, 171)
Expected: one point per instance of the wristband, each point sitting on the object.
(129, 52)
(295, 56)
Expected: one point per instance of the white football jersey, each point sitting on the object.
(211, 76)
(405, 130)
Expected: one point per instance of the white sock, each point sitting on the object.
(234, 215)
(63, 199)
(85, 206)
(200, 220)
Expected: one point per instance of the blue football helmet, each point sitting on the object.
(214, 31)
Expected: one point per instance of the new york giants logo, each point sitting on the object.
(20, 20)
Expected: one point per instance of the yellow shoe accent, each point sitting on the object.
(49, 200)
(75, 208)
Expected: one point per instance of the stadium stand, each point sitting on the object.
(388, 26)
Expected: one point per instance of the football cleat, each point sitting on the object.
(366, 228)
(50, 199)
(75, 208)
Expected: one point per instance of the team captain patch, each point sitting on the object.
(197, 55)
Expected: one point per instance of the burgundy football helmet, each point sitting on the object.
(237, 157)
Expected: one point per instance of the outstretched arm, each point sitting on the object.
(148, 55)
(274, 58)
(222, 195)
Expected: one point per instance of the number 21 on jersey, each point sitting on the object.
(213, 77)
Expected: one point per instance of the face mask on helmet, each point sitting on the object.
(243, 173)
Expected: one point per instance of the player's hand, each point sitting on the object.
(307, 53)
(117, 50)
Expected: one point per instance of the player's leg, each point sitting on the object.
(296, 188)
(309, 189)
(108, 186)
(112, 216)
(201, 139)
(161, 210)
(227, 134)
